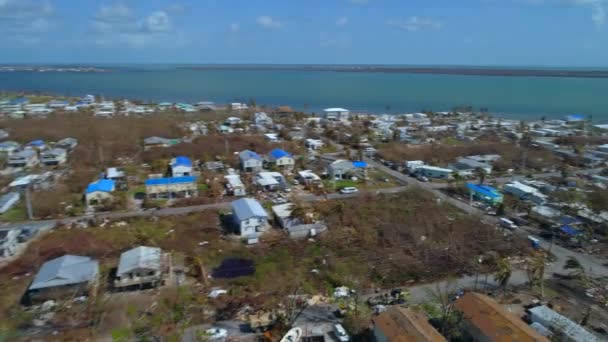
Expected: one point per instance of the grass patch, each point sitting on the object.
(15, 214)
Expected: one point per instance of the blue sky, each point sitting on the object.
(447, 32)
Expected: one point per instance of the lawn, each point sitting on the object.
(15, 214)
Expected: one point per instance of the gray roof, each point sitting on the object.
(549, 318)
(156, 140)
(54, 152)
(246, 208)
(141, 257)
(65, 270)
(23, 154)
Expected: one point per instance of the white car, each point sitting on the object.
(341, 333)
(216, 333)
(348, 190)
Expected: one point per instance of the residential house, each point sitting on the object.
(9, 147)
(250, 161)
(486, 320)
(233, 121)
(99, 191)
(284, 110)
(116, 174)
(36, 145)
(485, 158)
(336, 114)
(7, 201)
(564, 329)
(25, 158)
(68, 276)
(295, 226)
(249, 217)
(140, 267)
(525, 192)
(484, 193)
(434, 172)
(281, 159)
(270, 181)
(58, 104)
(575, 118)
(346, 169)
(68, 144)
(214, 166)
(467, 167)
(235, 186)
(225, 129)
(262, 119)
(55, 156)
(399, 324)
(152, 142)
(174, 187)
(314, 144)
(105, 109)
(238, 106)
(180, 166)
(545, 214)
(272, 137)
(9, 238)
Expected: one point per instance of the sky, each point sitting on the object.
(407, 32)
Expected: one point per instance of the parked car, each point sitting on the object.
(216, 333)
(341, 333)
(422, 178)
(505, 222)
(348, 190)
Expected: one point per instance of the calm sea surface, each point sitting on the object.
(515, 97)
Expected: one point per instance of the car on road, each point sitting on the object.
(341, 333)
(215, 334)
(348, 190)
(422, 178)
(505, 222)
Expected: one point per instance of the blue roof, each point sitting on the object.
(103, 185)
(36, 143)
(566, 220)
(484, 190)
(570, 230)
(279, 153)
(360, 164)
(249, 155)
(172, 180)
(245, 208)
(182, 161)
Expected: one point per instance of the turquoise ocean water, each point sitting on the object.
(514, 97)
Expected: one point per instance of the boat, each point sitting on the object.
(292, 335)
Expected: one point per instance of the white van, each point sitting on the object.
(341, 333)
(505, 222)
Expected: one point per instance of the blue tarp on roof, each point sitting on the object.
(568, 220)
(279, 153)
(172, 180)
(570, 230)
(249, 155)
(484, 190)
(575, 117)
(103, 185)
(36, 143)
(182, 161)
(360, 164)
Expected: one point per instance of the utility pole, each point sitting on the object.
(28, 202)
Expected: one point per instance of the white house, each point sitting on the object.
(181, 166)
(281, 159)
(235, 186)
(270, 181)
(250, 161)
(249, 217)
(140, 266)
(25, 158)
(525, 192)
(55, 156)
(9, 147)
(314, 144)
(261, 118)
(336, 114)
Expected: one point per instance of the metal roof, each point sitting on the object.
(103, 185)
(181, 161)
(551, 319)
(172, 180)
(279, 153)
(142, 257)
(65, 270)
(331, 110)
(399, 324)
(246, 208)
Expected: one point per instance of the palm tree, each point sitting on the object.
(480, 173)
(536, 271)
(503, 274)
(577, 269)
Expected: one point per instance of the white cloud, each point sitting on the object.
(119, 24)
(24, 21)
(268, 22)
(413, 24)
(598, 8)
(234, 27)
(342, 21)
(359, 2)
